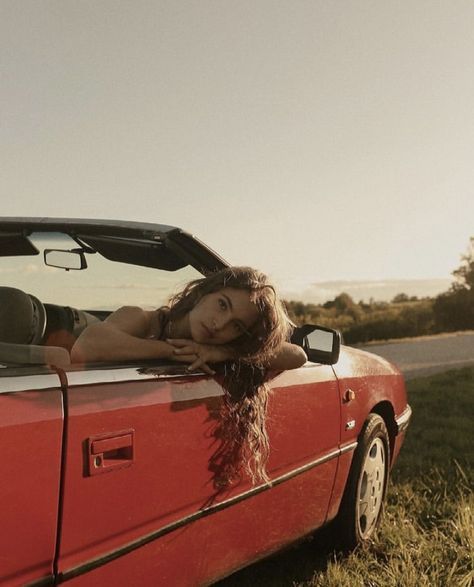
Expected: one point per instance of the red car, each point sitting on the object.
(105, 471)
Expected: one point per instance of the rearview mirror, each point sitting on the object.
(321, 344)
(74, 259)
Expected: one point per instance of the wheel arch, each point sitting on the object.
(386, 411)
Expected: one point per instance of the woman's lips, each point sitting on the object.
(208, 331)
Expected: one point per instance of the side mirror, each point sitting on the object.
(74, 259)
(321, 344)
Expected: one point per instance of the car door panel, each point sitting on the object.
(164, 501)
(30, 436)
(209, 548)
(104, 512)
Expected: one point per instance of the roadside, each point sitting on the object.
(426, 355)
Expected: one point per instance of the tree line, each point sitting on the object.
(403, 317)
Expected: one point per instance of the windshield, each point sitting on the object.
(103, 285)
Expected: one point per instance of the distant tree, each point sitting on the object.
(454, 309)
(400, 298)
(403, 298)
(298, 308)
(344, 305)
(302, 313)
(464, 275)
(342, 302)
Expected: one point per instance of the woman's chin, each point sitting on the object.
(200, 336)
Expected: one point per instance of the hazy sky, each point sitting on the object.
(317, 140)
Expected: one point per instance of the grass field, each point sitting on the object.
(427, 535)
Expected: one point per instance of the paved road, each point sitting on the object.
(426, 355)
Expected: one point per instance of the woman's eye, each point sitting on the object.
(238, 327)
(222, 304)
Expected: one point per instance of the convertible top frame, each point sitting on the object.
(175, 248)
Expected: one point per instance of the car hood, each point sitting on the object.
(356, 362)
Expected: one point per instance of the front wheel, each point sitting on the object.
(362, 503)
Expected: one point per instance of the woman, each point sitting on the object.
(231, 316)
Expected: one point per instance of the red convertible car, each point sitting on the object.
(105, 469)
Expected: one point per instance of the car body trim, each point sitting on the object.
(62, 477)
(348, 447)
(124, 374)
(78, 376)
(43, 582)
(15, 383)
(131, 546)
(404, 419)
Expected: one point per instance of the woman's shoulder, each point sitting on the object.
(141, 322)
(134, 313)
(130, 319)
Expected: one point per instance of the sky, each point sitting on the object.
(319, 141)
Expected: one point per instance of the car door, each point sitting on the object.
(31, 427)
(139, 504)
(303, 428)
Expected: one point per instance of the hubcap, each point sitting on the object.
(370, 494)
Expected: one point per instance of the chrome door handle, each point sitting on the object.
(111, 451)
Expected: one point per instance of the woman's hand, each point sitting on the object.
(199, 355)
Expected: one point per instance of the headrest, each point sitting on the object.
(22, 317)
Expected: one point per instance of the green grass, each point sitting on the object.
(427, 534)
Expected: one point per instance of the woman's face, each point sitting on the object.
(222, 316)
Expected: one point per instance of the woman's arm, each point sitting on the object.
(289, 356)
(123, 335)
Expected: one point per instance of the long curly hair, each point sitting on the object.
(241, 429)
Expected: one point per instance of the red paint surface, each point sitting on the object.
(193, 555)
(164, 475)
(374, 381)
(30, 437)
(170, 477)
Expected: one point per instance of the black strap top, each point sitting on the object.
(160, 324)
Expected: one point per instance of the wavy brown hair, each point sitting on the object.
(241, 429)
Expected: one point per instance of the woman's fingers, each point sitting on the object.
(200, 364)
(196, 354)
(183, 346)
(188, 358)
(196, 362)
(187, 350)
(180, 342)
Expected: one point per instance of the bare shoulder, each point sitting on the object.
(289, 356)
(131, 319)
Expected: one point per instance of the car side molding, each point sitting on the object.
(206, 511)
(404, 419)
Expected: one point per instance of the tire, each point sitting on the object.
(362, 502)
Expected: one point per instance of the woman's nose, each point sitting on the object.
(218, 324)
